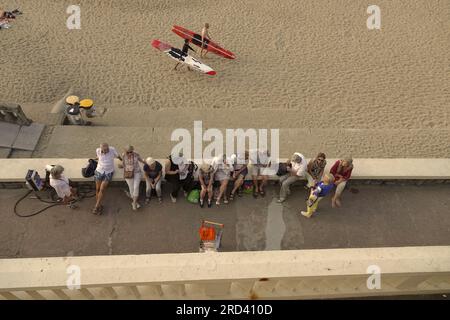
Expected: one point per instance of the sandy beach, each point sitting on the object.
(309, 68)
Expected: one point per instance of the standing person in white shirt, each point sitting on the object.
(103, 173)
(296, 171)
(61, 185)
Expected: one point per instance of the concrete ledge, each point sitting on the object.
(14, 170)
(268, 274)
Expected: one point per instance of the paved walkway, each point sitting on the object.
(377, 216)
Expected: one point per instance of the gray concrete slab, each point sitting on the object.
(377, 216)
(8, 134)
(4, 152)
(28, 137)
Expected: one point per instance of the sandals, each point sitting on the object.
(98, 210)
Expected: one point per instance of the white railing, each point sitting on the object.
(296, 274)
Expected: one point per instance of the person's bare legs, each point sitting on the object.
(255, 186)
(203, 194)
(262, 185)
(237, 184)
(101, 191)
(222, 191)
(336, 200)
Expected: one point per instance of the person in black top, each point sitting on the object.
(153, 177)
(184, 52)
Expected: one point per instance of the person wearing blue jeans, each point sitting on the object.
(103, 173)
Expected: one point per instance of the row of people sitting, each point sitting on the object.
(183, 174)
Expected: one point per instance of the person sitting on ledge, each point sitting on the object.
(62, 186)
(342, 171)
(296, 170)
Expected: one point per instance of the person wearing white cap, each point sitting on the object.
(153, 171)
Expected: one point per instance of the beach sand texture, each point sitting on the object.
(302, 66)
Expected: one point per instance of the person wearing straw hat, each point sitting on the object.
(153, 173)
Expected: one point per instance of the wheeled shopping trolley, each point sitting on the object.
(210, 236)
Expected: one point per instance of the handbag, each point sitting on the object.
(128, 169)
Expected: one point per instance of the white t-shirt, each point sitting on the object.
(238, 161)
(299, 168)
(106, 160)
(61, 186)
(219, 164)
(259, 158)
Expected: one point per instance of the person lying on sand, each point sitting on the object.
(6, 17)
(184, 52)
(9, 14)
(206, 37)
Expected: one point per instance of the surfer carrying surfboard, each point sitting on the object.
(184, 52)
(205, 39)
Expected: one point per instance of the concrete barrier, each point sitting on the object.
(288, 274)
(14, 170)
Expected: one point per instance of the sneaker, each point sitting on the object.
(138, 205)
(202, 203)
(281, 200)
(133, 206)
(209, 203)
(305, 214)
(225, 201)
(173, 199)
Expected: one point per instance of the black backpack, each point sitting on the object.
(89, 171)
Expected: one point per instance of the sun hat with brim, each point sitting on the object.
(72, 99)
(206, 167)
(149, 161)
(86, 103)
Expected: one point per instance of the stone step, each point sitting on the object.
(79, 142)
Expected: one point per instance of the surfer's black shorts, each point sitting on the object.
(197, 40)
(177, 53)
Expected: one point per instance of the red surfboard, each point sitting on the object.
(196, 39)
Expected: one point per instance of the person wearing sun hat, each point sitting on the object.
(206, 179)
(153, 173)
